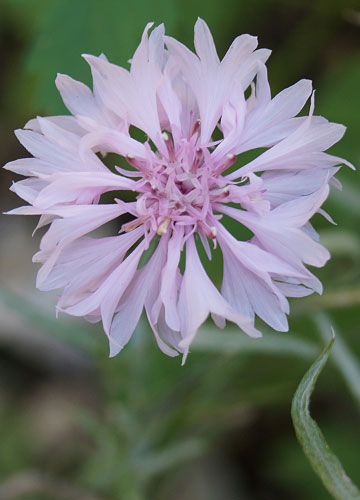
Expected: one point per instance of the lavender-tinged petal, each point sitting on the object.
(168, 289)
(204, 44)
(198, 297)
(64, 188)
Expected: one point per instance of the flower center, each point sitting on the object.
(179, 189)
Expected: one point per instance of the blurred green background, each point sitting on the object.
(77, 425)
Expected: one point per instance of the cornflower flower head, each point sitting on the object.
(187, 183)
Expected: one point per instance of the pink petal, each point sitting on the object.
(198, 297)
(169, 290)
(204, 45)
(77, 97)
(65, 188)
(108, 295)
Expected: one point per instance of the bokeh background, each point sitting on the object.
(75, 424)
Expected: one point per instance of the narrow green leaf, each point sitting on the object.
(326, 465)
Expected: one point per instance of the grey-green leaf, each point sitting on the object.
(324, 462)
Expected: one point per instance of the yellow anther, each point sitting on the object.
(162, 229)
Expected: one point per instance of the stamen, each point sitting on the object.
(218, 194)
(209, 231)
(197, 158)
(138, 164)
(170, 145)
(195, 127)
(162, 229)
(229, 162)
(129, 226)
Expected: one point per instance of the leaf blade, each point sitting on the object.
(323, 461)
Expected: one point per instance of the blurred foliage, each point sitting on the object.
(152, 417)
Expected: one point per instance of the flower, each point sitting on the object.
(189, 177)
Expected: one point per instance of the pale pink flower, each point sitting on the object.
(187, 185)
